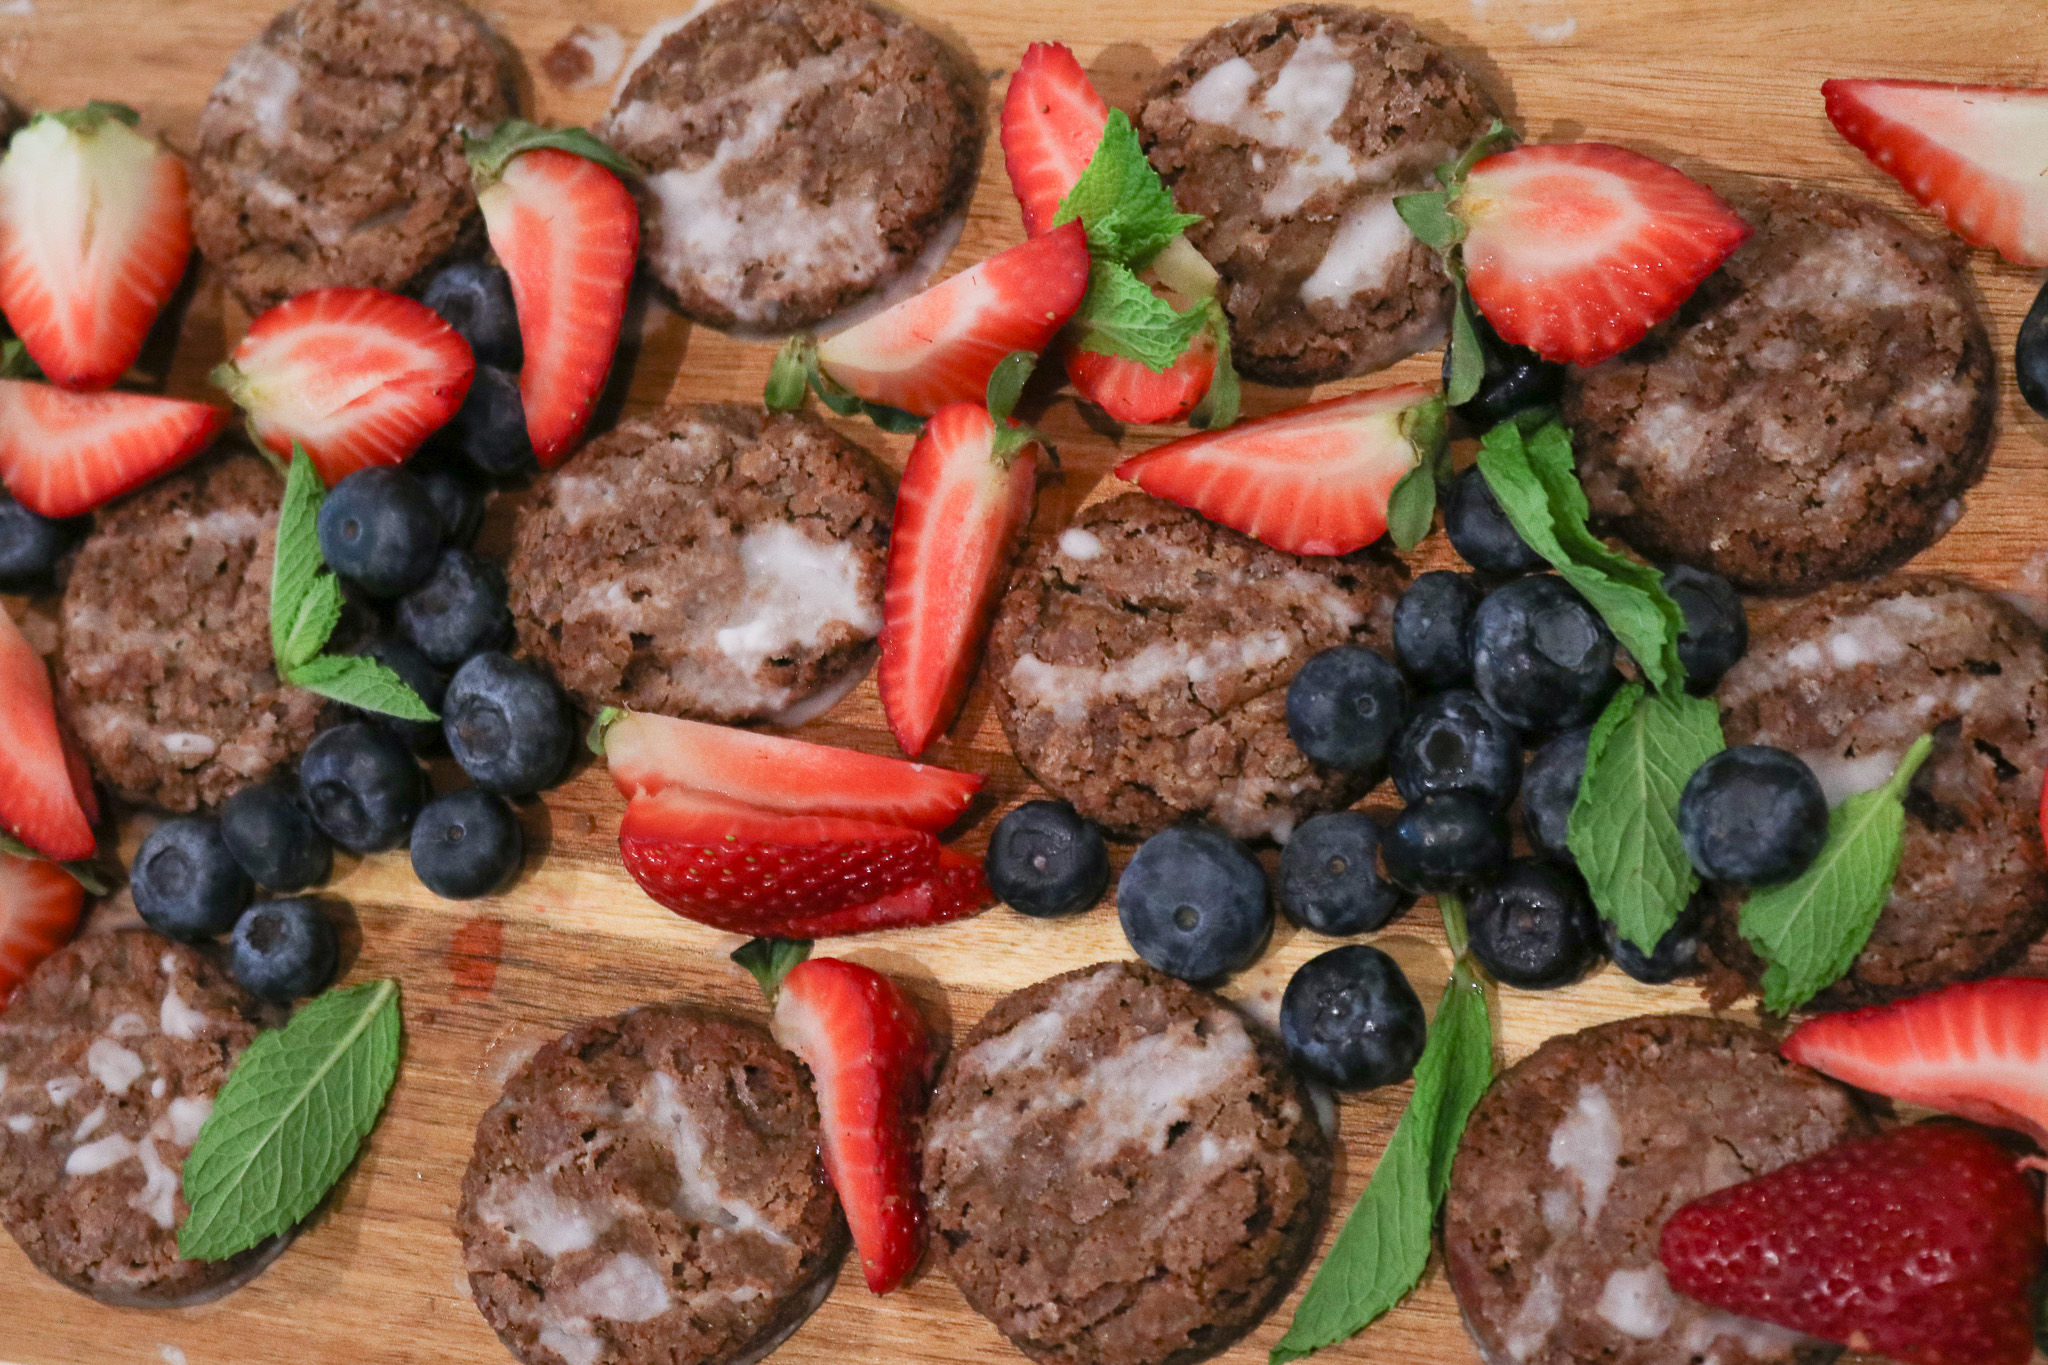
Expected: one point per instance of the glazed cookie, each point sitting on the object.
(1141, 662)
(164, 668)
(1121, 1171)
(1291, 132)
(1829, 392)
(331, 150)
(1848, 679)
(1577, 1155)
(800, 154)
(647, 1191)
(110, 1057)
(705, 561)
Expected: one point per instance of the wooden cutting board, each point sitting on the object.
(1724, 90)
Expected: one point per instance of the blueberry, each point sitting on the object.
(1344, 708)
(187, 884)
(1480, 532)
(1193, 903)
(274, 840)
(489, 430)
(1431, 622)
(459, 611)
(1542, 656)
(1677, 954)
(1455, 742)
(1716, 628)
(1044, 860)
(476, 299)
(1516, 378)
(1445, 843)
(1350, 1019)
(379, 530)
(458, 502)
(362, 785)
(2030, 355)
(31, 545)
(1534, 926)
(1550, 789)
(283, 950)
(1330, 876)
(507, 725)
(466, 844)
(1752, 815)
(427, 682)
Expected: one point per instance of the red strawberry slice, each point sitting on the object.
(1918, 1244)
(1978, 1049)
(1975, 154)
(1131, 391)
(39, 802)
(358, 377)
(961, 509)
(39, 908)
(94, 236)
(647, 753)
(1576, 250)
(1052, 120)
(871, 1061)
(63, 453)
(567, 232)
(956, 888)
(942, 345)
(1313, 480)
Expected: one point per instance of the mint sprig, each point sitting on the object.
(1810, 929)
(1121, 316)
(289, 1120)
(796, 371)
(1430, 217)
(1120, 200)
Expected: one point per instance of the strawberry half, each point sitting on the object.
(1052, 120)
(1314, 480)
(94, 236)
(567, 231)
(961, 510)
(39, 908)
(63, 453)
(1918, 1244)
(647, 753)
(1975, 154)
(356, 377)
(1130, 391)
(42, 802)
(1576, 250)
(1978, 1049)
(941, 346)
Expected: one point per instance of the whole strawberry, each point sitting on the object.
(1918, 1244)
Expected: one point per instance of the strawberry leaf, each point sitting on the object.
(1128, 213)
(1219, 406)
(1498, 137)
(1428, 216)
(16, 362)
(85, 874)
(1006, 384)
(93, 117)
(360, 681)
(1411, 507)
(1121, 316)
(1468, 357)
(768, 960)
(789, 378)
(488, 156)
(594, 737)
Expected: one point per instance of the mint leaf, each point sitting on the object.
(1219, 406)
(1624, 825)
(489, 156)
(360, 681)
(1121, 316)
(768, 960)
(1006, 384)
(319, 613)
(1411, 507)
(297, 566)
(1428, 216)
(1128, 213)
(1810, 929)
(289, 1120)
(1468, 356)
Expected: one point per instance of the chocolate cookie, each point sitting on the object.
(164, 667)
(11, 117)
(1848, 679)
(1828, 394)
(110, 1057)
(1291, 132)
(1141, 662)
(1577, 1155)
(705, 561)
(799, 154)
(330, 153)
(647, 1190)
(1121, 1171)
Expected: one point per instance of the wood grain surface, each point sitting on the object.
(1727, 89)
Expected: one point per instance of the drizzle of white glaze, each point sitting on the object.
(63, 1089)
(113, 1066)
(1588, 1145)
(1535, 1318)
(179, 1019)
(796, 589)
(1370, 241)
(531, 1211)
(1294, 115)
(1078, 543)
(699, 1195)
(1638, 1302)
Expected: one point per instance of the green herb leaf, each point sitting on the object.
(1624, 825)
(594, 736)
(768, 960)
(1128, 213)
(1810, 929)
(1428, 216)
(1468, 357)
(790, 376)
(15, 361)
(360, 681)
(1384, 1246)
(1006, 384)
(289, 1120)
(488, 156)
(85, 874)
(1498, 137)
(319, 613)
(95, 115)
(295, 573)
(1411, 507)
(1121, 316)
(1220, 405)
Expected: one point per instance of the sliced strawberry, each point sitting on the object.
(1978, 1049)
(961, 509)
(357, 377)
(956, 888)
(647, 753)
(63, 453)
(39, 804)
(1313, 480)
(1052, 120)
(871, 1061)
(1131, 391)
(1975, 154)
(942, 345)
(94, 236)
(1576, 250)
(39, 908)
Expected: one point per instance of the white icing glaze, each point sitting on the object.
(649, 42)
(1842, 777)
(606, 48)
(94, 1157)
(179, 1019)
(1535, 1318)
(530, 1211)
(156, 1088)
(626, 1288)
(265, 83)
(1030, 1042)
(113, 1066)
(1071, 691)
(1588, 1145)
(21, 1123)
(188, 744)
(184, 1118)
(63, 1089)
(159, 1194)
(572, 1340)
(1080, 544)
(1841, 272)
(90, 1124)
(1294, 115)
(128, 1024)
(796, 589)
(1638, 1303)
(1370, 241)
(699, 1195)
